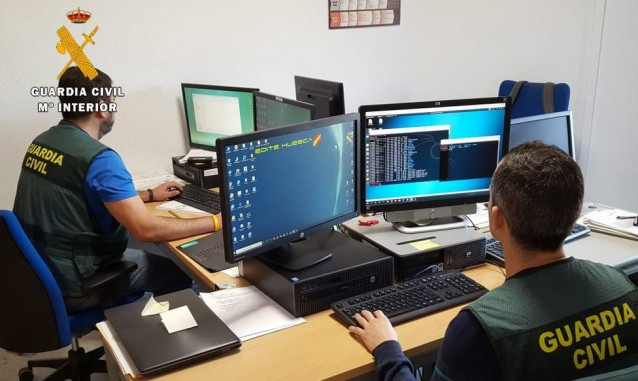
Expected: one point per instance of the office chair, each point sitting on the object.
(533, 98)
(33, 317)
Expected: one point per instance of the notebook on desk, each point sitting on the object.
(153, 349)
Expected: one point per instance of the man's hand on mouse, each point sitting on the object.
(167, 190)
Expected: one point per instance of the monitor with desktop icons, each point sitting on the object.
(281, 187)
(428, 163)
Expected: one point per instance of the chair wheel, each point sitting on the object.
(25, 374)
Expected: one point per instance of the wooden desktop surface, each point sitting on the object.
(321, 348)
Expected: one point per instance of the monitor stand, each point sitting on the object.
(430, 225)
(300, 254)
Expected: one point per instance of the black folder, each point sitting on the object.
(153, 349)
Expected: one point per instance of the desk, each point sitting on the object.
(322, 347)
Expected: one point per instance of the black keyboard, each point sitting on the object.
(208, 251)
(413, 298)
(200, 198)
(494, 248)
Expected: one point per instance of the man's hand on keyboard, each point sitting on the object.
(375, 329)
(166, 191)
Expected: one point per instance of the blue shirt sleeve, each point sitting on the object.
(107, 180)
(466, 352)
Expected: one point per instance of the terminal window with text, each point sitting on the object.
(282, 185)
(217, 111)
(431, 154)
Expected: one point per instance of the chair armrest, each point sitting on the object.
(107, 275)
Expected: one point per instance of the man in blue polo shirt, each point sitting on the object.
(77, 203)
(554, 318)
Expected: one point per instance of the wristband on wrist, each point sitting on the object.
(216, 223)
(150, 195)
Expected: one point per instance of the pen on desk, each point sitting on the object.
(174, 213)
(625, 217)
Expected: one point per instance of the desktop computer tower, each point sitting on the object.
(353, 269)
(204, 176)
(414, 254)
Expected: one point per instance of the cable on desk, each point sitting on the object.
(430, 269)
(472, 222)
(497, 266)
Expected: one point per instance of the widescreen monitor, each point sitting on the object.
(283, 186)
(327, 96)
(427, 163)
(217, 111)
(274, 111)
(553, 128)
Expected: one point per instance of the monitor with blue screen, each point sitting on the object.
(281, 186)
(426, 163)
(216, 111)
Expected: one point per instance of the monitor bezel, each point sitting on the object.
(464, 199)
(269, 133)
(293, 102)
(211, 87)
(559, 114)
(324, 88)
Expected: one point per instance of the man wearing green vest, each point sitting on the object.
(77, 203)
(554, 318)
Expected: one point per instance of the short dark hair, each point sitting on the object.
(75, 79)
(539, 189)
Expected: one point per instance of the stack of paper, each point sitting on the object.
(248, 312)
(612, 221)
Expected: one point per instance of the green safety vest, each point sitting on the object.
(51, 207)
(565, 321)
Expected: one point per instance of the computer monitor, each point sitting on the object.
(275, 111)
(327, 96)
(217, 111)
(428, 163)
(554, 128)
(283, 186)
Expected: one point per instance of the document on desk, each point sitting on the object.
(248, 312)
(152, 179)
(480, 218)
(179, 207)
(612, 221)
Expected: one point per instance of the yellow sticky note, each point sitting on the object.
(424, 245)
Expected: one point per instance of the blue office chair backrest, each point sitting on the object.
(33, 316)
(534, 98)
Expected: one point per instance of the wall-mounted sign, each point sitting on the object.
(363, 13)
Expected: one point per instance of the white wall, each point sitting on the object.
(613, 153)
(441, 50)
